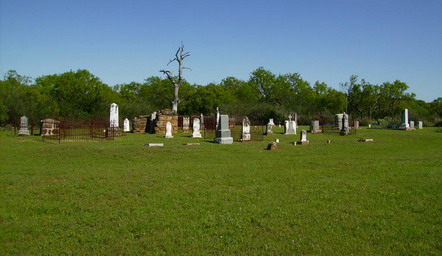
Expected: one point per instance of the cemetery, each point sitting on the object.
(231, 179)
(220, 181)
(164, 183)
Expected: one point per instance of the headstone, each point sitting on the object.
(344, 125)
(245, 129)
(272, 146)
(223, 134)
(303, 140)
(217, 117)
(365, 140)
(126, 125)
(24, 131)
(154, 145)
(202, 121)
(290, 126)
(186, 123)
(168, 130)
(152, 123)
(192, 144)
(411, 124)
(404, 120)
(113, 119)
(269, 127)
(338, 120)
(420, 125)
(196, 128)
(277, 140)
(356, 125)
(314, 127)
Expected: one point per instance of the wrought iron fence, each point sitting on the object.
(84, 130)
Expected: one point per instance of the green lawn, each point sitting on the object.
(120, 197)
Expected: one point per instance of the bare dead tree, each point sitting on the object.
(180, 55)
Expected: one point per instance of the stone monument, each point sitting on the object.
(356, 125)
(411, 124)
(186, 123)
(24, 131)
(344, 125)
(303, 139)
(420, 125)
(168, 130)
(404, 120)
(196, 128)
(49, 127)
(162, 118)
(223, 135)
(339, 122)
(314, 127)
(126, 125)
(113, 119)
(217, 117)
(245, 129)
(269, 127)
(290, 126)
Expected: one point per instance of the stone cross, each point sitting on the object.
(113, 119)
(168, 130)
(196, 128)
(24, 131)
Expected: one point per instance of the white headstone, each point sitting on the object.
(290, 126)
(411, 123)
(303, 136)
(420, 125)
(217, 117)
(126, 125)
(169, 130)
(404, 119)
(196, 128)
(24, 131)
(113, 119)
(269, 127)
(245, 129)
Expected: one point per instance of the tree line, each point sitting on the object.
(81, 95)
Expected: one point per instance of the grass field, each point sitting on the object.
(120, 197)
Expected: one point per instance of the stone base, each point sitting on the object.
(302, 142)
(316, 131)
(225, 140)
(290, 133)
(168, 136)
(196, 135)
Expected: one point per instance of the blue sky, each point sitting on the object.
(124, 41)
